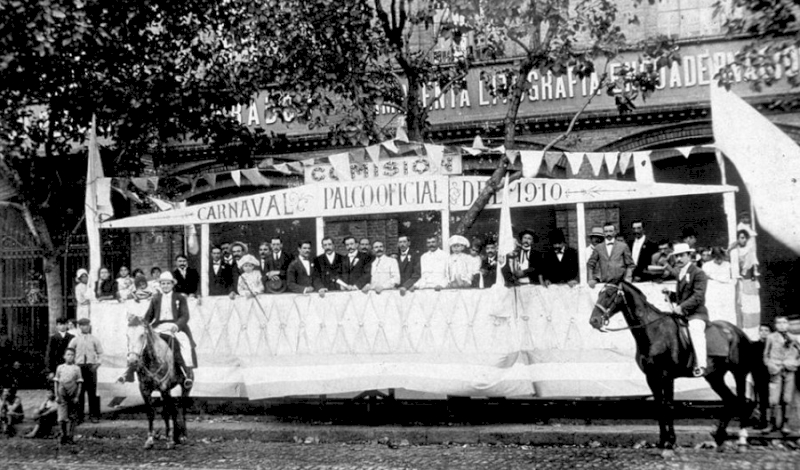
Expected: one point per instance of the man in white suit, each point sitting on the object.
(385, 272)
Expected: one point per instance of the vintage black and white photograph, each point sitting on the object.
(399, 234)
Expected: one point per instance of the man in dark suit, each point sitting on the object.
(611, 260)
(187, 280)
(689, 301)
(488, 266)
(355, 270)
(520, 267)
(168, 314)
(642, 251)
(365, 249)
(329, 266)
(559, 264)
(56, 346)
(238, 249)
(277, 265)
(220, 274)
(408, 263)
(301, 275)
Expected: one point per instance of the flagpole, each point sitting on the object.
(94, 171)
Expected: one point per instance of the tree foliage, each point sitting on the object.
(773, 28)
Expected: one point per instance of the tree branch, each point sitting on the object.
(445, 88)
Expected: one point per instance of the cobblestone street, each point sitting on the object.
(127, 453)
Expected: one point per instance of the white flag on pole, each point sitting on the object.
(97, 202)
(505, 236)
(767, 159)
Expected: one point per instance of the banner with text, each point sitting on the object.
(399, 167)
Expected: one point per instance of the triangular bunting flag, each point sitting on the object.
(611, 159)
(624, 161)
(341, 164)
(296, 166)
(193, 182)
(551, 159)
(308, 162)
(685, 151)
(435, 154)
(401, 135)
(478, 143)
(500, 149)
(161, 204)
(596, 160)
(374, 153)
(357, 155)
(211, 179)
(236, 176)
(643, 167)
(154, 181)
(471, 151)
(255, 177)
(283, 168)
(140, 183)
(531, 162)
(390, 146)
(575, 160)
(512, 156)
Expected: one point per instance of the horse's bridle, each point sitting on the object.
(607, 312)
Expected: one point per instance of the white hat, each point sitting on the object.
(166, 276)
(81, 272)
(681, 248)
(458, 240)
(248, 259)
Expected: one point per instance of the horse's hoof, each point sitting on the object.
(182, 439)
(170, 445)
(148, 444)
(667, 453)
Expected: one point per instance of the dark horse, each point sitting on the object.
(155, 366)
(663, 357)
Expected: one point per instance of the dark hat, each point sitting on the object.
(275, 287)
(527, 231)
(84, 321)
(556, 236)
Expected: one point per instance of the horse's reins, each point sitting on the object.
(163, 369)
(607, 316)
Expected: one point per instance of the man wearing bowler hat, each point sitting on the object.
(689, 301)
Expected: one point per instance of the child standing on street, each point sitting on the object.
(782, 357)
(761, 376)
(68, 382)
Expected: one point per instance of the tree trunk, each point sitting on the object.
(51, 264)
(495, 181)
(416, 114)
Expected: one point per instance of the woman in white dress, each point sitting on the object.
(83, 294)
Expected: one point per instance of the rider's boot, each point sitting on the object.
(188, 375)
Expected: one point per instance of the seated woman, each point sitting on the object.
(250, 283)
(125, 287)
(105, 288)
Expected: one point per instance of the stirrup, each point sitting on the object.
(699, 371)
(187, 383)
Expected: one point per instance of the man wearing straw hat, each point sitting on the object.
(168, 314)
(689, 301)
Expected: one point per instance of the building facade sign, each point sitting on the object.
(425, 193)
(400, 167)
(686, 81)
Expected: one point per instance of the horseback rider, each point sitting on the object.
(689, 301)
(168, 314)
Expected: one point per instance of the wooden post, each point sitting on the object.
(205, 250)
(729, 204)
(320, 231)
(446, 217)
(580, 210)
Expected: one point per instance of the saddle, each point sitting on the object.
(718, 338)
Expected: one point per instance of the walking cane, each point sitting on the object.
(260, 307)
